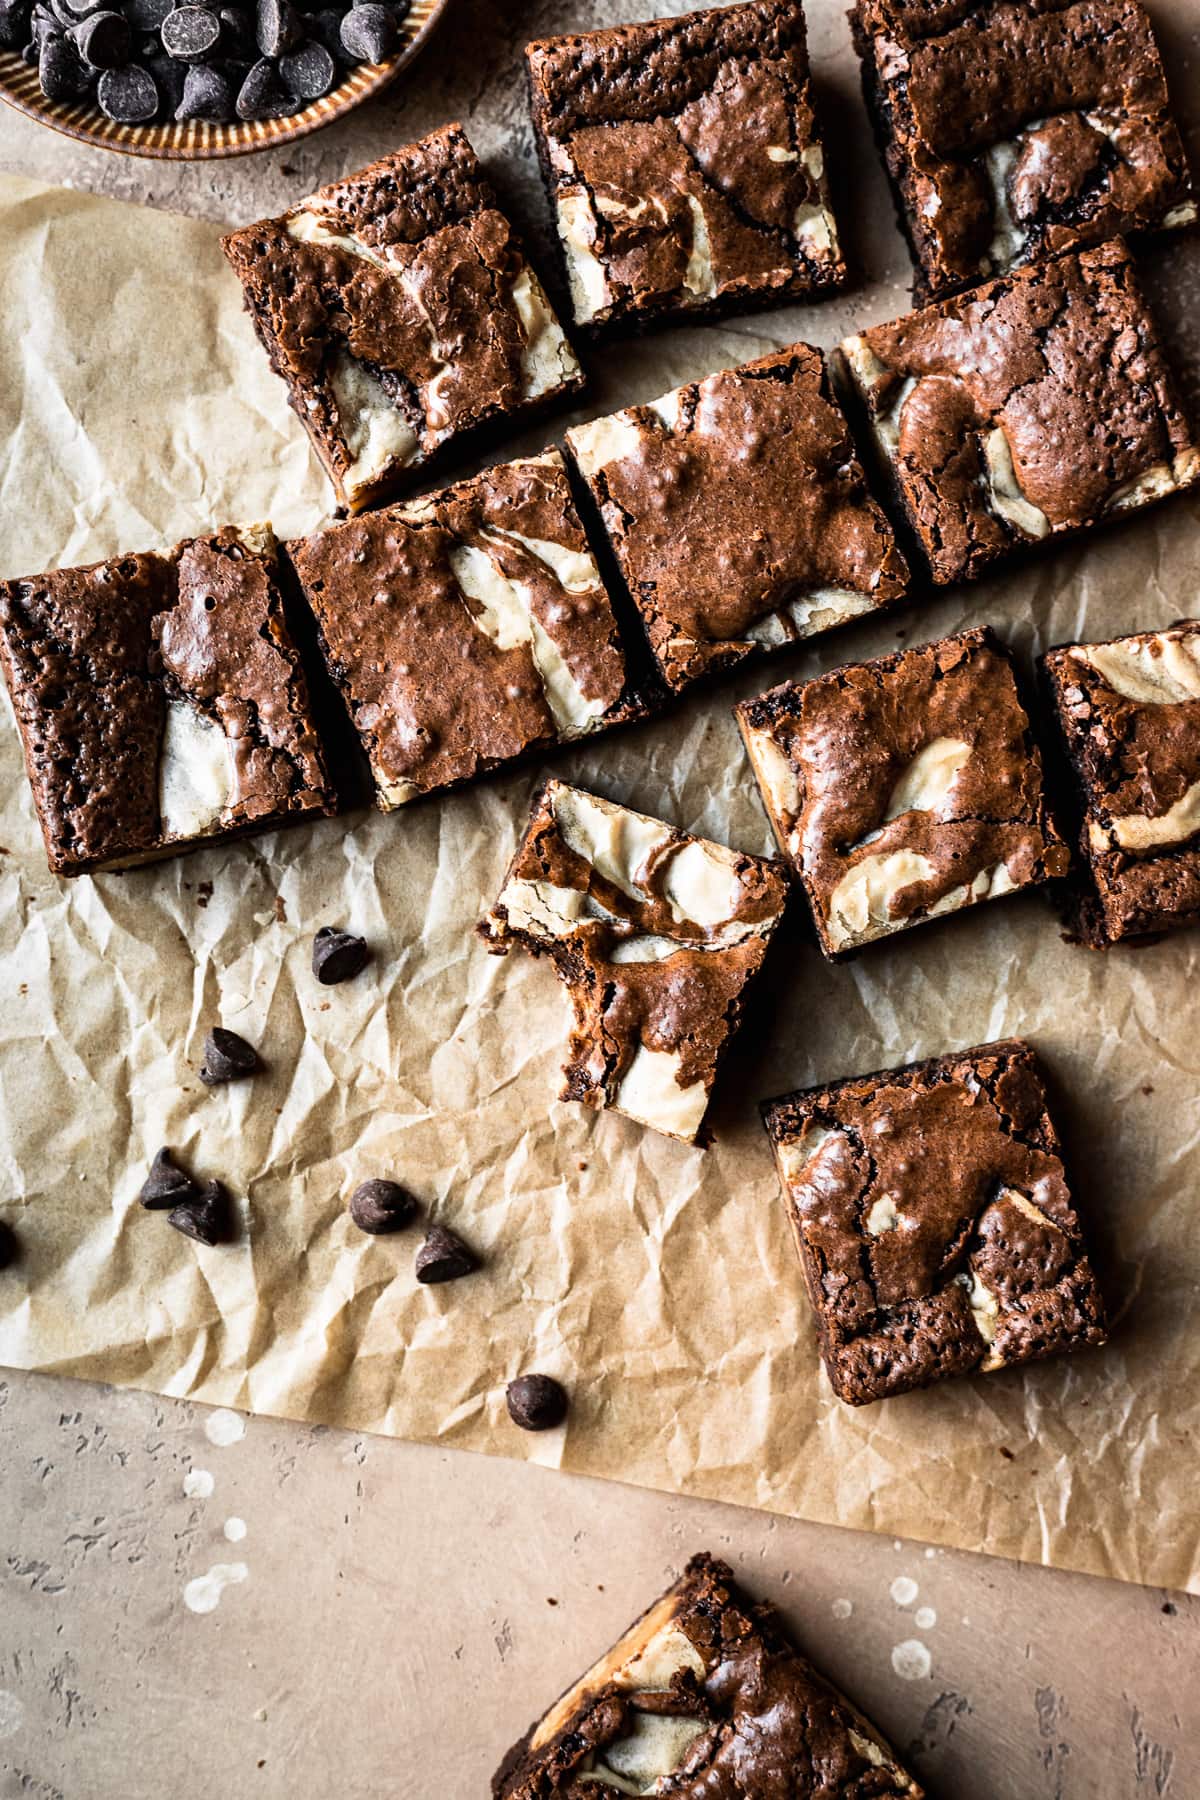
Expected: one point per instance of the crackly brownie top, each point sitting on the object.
(655, 934)
(400, 302)
(1025, 129)
(739, 512)
(683, 158)
(934, 1220)
(1130, 711)
(905, 786)
(467, 627)
(1037, 404)
(159, 697)
(704, 1698)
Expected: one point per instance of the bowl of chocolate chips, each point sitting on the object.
(202, 78)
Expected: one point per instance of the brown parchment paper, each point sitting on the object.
(657, 1281)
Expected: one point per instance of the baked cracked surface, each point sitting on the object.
(934, 1222)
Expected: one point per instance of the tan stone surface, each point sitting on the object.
(394, 1629)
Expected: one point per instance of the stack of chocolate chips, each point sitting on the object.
(232, 59)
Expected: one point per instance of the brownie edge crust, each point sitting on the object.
(704, 1696)
(934, 1223)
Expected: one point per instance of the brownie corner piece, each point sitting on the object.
(400, 309)
(705, 1693)
(655, 935)
(1128, 711)
(467, 629)
(903, 789)
(739, 513)
(1013, 132)
(1037, 406)
(934, 1222)
(161, 701)
(683, 164)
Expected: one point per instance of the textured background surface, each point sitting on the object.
(388, 1626)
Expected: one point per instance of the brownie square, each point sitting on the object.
(705, 1695)
(1039, 405)
(934, 1221)
(739, 513)
(466, 629)
(161, 702)
(400, 309)
(1129, 713)
(1014, 130)
(683, 164)
(903, 789)
(656, 936)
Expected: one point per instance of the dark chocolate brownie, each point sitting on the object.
(934, 1222)
(466, 629)
(400, 309)
(1129, 712)
(1014, 129)
(904, 788)
(739, 513)
(161, 701)
(704, 1698)
(683, 164)
(1038, 405)
(654, 934)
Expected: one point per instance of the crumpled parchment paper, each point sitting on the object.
(658, 1282)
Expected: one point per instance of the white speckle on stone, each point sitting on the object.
(911, 1660)
(896, 1544)
(235, 1531)
(12, 1714)
(224, 1428)
(841, 1609)
(203, 1595)
(904, 1590)
(925, 1618)
(930, 1553)
(198, 1484)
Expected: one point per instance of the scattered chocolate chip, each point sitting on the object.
(261, 96)
(9, 1248)
(205, 1216)
(190, 33)
(166, 1184)
(62, 72)
(443, 1256)
(536, 1402)
(227, 1057)
(276, 27)
(206, 95)
(369, 33)
(379, 1206)
(337, 955)
(103, 40)
(128, 96)
(308, 71)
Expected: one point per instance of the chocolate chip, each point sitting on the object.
(369, 33)
(14, 24)
(326, 27)
(103, 40)
(128, 96)
(227, 1057)
(443, 1256)
(308, 71)
(205, 1216)
(277, 27)
(166, 1184)
(237, 34)
(337, 955)
(206, 95)
(147, 15)
(168, 76)
(190, 33)
(261, 96)
(378, 1206)
(9, 1247)
(62, 72)
(536, 1402)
